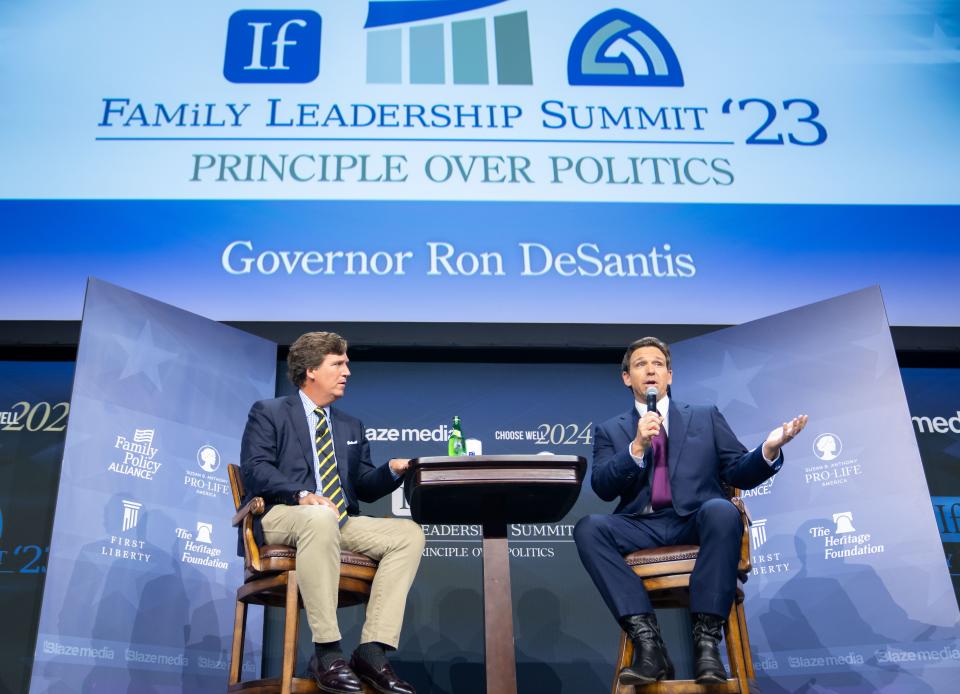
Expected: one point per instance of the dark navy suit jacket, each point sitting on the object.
(276, 456)
(702, 454)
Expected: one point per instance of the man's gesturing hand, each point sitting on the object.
(781, 435)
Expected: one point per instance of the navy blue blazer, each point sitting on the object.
(702, 454)
(276, 456)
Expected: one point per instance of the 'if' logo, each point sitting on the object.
(278, 46)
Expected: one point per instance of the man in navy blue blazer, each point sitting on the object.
(668, 466)
(311, 464)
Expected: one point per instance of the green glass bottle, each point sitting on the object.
(455, 445)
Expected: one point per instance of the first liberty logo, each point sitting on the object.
(139, 455)
(272, 46)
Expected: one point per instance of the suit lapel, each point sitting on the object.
(299, 419)
(629, 421)
(679, 422)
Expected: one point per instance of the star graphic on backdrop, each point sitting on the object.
(732, 383)
(143, 356)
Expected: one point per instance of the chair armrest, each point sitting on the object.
(255, 506)
(738, 502)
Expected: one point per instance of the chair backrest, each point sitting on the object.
(251, 552)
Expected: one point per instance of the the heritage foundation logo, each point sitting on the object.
(844, 540)
(206, 482)
(198, 547)
(139, 455)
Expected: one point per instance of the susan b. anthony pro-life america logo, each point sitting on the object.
(833, 468)
(207, 480)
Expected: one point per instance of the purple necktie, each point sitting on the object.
(660, 498)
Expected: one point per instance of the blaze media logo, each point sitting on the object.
(389, 22)
(272, 46)
(619, 49)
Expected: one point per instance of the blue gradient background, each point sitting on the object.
(751, 260)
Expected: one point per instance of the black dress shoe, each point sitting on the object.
(337, 679)
(383, 679)
(707, 631)
(651, 662)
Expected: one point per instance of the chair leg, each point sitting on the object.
(624, 657)
(745, 639)
(291, 625)
(239, 633)
(738, 666)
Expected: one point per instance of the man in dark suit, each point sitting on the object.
(311, 464)
(667, 466)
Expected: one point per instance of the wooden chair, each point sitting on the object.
(270, 579)
(666, 576)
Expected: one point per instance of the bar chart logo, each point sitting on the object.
(619, 49)
(406, 45)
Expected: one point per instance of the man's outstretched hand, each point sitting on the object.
(781, 435)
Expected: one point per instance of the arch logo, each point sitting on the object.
(619, 49)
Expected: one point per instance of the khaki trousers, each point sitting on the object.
(395, 543)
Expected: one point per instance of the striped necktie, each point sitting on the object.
(329, 478)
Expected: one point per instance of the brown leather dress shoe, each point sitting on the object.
(382, 679)
(337, 679)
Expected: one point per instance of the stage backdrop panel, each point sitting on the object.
(934, 396)
(849, 578)
(142, 569)
(34, 409)
(849, 588)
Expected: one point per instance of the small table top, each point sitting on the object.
(493, 489)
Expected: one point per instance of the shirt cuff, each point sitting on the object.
(641, 463)
(773, 462)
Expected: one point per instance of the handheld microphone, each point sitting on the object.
(652, 394)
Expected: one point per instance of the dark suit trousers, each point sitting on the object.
(603, 540)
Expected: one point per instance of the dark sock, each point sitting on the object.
(327, 653)
(372, 653)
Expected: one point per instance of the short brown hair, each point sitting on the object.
(645, 342)
(309, 351)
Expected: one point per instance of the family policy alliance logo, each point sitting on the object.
(438, 46)
(139, 455)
